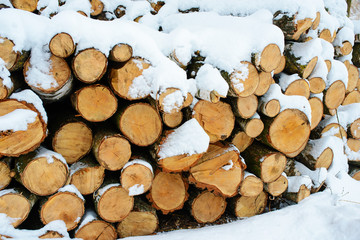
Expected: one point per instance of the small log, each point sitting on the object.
(332, 129)
(124, 78)
(354, 172)
(240, 139)
(354, 146)
(7, 86)
(172, 120)
(317, 111)
(86, 175)
(111, 149)
(97, 6)
(89, 65)
(91, 227)
(281, 66)
(221, 161)
(62, 80)
(140, 123)
(351, 97)
(327, 35)
(72, 139)
(16, 203)
(268, 59)
(137, 176)
(95, 103)
(287, 132)
(217, 119)
(26, 5)
(51, 234)
(264, 162)
(290, 25)
(168, 192)
(121, 53)
(277, 187)
(165, 100)
(66, 205)
(343, 50)
(112, 202)
(5, 172)
(244, 107)
(42, 172)
(252, 126)
(302, 193)
(269, 108)
(251, 185)
(294, 85)
(316, 21)
(354, 129)
(13, 60)
(243, 81)
(62, 45)
(207, 207)
(353, 76)
(244, 207)
(141, 221)
(265, 80)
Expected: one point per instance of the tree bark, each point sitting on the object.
(240, 139)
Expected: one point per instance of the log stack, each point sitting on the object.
(118, 156)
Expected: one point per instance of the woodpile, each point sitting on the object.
(113, 150)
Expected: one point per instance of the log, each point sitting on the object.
(6, 174)
(317, 111)
(244, 107)
(353, 76)
(125, 78)
(141, 221)
(121, 53)
(89, 65)
(251, 185)
(354, 129)
(354, 146)
(332, 129)
(207, 207)
(66, 205)
(302, 193)
(17, 204)
(281, 66)
(62, 80)
(31, 129)
(243, 81)
(287, 132)
(221, 161)
(268, 59)
(7, 86)
(244, 207)
(13, 60)
(265, 80)
(112, 201)
(290, 25)
(294, 85)
(217, 119)
(111, 149)
(327, 35)
(51, 234)
(351, 97)
(86, 175)
(168, 192)
(43, 172)
(354, 172)
(95, 103)
(264, 162)
(316, 21)
(165, 100)
(91, 227)
(172, 120)
(252, 126)
(26, 5)
(140, 123)
(240, 139)
(343, 50)
(72, 139)
(62, 45)
(269, 108)
(97, 6)
(137, 176)
(277, 187)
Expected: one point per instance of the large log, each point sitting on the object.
(351, 97)
(95, 103)
(140, 123)
(221, 161)
(42, 172)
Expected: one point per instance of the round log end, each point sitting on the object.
(325, 159)
(309, 67)
(272, 167)
(15, 206)
(136, 175)
(27, 5)
(317, 85)
(250, 206)
(5, 175)
(277, 187)
(208, 207)
(96, 229)
(317, 111)
(6, 52)
(172, 120)
(335, 95)
(270, 58)
(87, 180)
(299, 87)
(241, 141)
(137, 224)
(272, 108)
(244, 85)
(251, 186)
(62, 45)
(121, 53)
(254, 127)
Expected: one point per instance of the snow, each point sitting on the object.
(137, 189)
(337, 72)
(317, 95)
(49, 155)
(247, 174)
(17, 120)
(356, 26)
(344, 34)
(88, 217)
(77, 166)
(30, 97)
(346, 115)
(138, 161)
(102, 190)
(52, 6)
(306, 51)
(287, 102)
(295, 182)
(317, 176)
(71, 189)
(285, 80)
(190, 138)
(320, 70)
(5, 75)
(327, 50)
(7, 191)
(228, 166)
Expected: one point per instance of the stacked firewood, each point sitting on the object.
(112, 161)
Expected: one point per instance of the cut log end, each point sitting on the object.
(15, 206)
(281, 65)
(244, 87)
(309, 67)
(272, 166)
(265, 80)
(97, 229)
(251, 186)
(316, 21)
(271, 108)
(317, 111)
(87, 180)
(245, 107)
(5, 175)
(137, 224)
(254, 127)
(355, 129)
(51, 234)
(335, 95)
(335, 129)
(325, 159)
(277, 187)
(62, 45)
(352, 97)
(121, 53)
(97, 7)
(208, 207)
(327, 35)
(26, 5)
(178, 163)
(270, 58)
(301, 26)
(250, 206)
(317, 85)
(299, 87)
(172, 120)
(136, 175)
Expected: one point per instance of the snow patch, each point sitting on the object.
(137, 189)
(138, 161)
(17, 120)
(71, 189)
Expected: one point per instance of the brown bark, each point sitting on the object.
(240, 139)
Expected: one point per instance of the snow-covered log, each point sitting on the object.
(294, 85)
(62, 45)
(14, 60)
(121, 53)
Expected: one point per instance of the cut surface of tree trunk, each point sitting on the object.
(299, 87)
(168, 192)
(354, 129)
(122, 78)
(96, 229)
(21, 142)
(353, 145)
(292, 66)
(140, 123)
(162, 102)
(62, 45)
(27, 5)
(353, 77)
(172, 120)
(121, 52)
(323, 160)
(281, 65)
(249, 206)
(327, 35)
(89, 65)
(316, 21)
(65, 206)
(97, 6)
(270, 108)
(95, 103)
(245, 107)
(334, 95)
(252, 127)
(241, 140)
(208, 207)
(13, 60)
(51, 234)
(343, 50)
(217, 119)
(5, 172)
(352, 97)
(277, 187)
(219, 169)
(251, 186)
(317, 111)
(334, 129)
(73, 140)
(303, 193)
(269, 58)
(6, 90)
(317, 85)
(265, 80)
